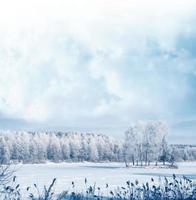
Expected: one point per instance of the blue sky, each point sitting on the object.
(98, 65)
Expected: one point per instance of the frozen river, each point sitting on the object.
(115, 174)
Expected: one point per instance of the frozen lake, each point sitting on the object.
(115, 174)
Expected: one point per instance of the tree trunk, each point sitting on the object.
(126, 163)
(133, 160)
(146, 157)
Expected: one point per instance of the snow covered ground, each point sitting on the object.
(115, 174)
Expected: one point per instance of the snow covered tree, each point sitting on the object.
(65, 149)
(131, 138)
(143, 141)
(4, 151)
(74, 150)
(54, 152)
(164, 151)
(93, 153)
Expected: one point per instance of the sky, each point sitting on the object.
(98, 65)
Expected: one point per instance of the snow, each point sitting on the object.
(115, 174)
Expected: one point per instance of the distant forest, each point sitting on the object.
(38, 147)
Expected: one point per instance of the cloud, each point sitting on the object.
(97, 62)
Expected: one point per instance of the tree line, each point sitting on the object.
(144, 143)
(36, 147)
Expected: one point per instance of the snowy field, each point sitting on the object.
(115, 174)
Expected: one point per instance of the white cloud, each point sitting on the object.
(67, 61)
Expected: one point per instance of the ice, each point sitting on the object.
(115, 174)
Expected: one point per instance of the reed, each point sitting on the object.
(167, 189)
